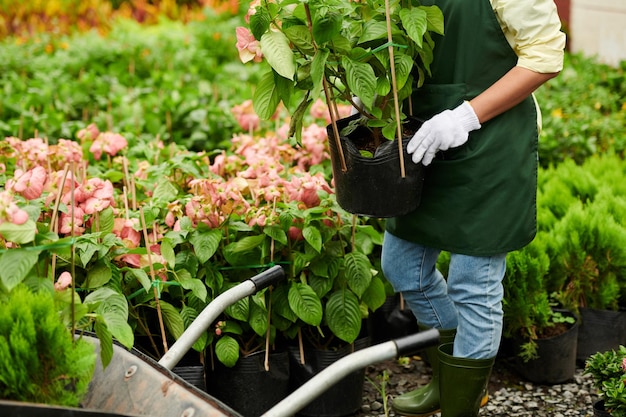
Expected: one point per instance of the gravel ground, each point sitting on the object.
(510, 395)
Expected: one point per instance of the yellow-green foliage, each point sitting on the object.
(39, 360)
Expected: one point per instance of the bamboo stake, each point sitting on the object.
(152, 276)
(395, 87)
(333, 120)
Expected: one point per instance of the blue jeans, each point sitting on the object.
(470, 299)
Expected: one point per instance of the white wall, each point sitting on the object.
(598, 28)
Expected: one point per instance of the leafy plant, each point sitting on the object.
(39, 359)
(340, 49)
(608, 370)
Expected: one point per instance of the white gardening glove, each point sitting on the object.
(445, 130)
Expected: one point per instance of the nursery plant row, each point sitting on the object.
(137, 185)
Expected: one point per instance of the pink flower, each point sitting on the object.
(64, 281)
(108, 142)
(245, 116)
(28, 184)
(248, 47)
(125, 230)
(624, 364)
(91, 132)
(66, 222)
(9, 211)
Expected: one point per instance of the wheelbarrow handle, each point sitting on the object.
(360, 359)
(207, 316)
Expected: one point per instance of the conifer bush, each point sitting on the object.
(40, 361)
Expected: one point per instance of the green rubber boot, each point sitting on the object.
(424, 401)
(462, 383)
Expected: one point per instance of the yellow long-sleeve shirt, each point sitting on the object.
(533, 29)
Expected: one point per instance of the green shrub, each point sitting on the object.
(39, 360)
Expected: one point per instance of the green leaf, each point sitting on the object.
(361, 80)
(98, 275)
(373, 30)
(305, 303)
(259, 22)
(358, 272)
(167, 251)
(165, 191)
(106, 219)
(415, 22)
(227, 351)
(327, 28)
(313, 237)
(318, 66)
(258, 319)
(239, 310)
(435, 19)
(343, 315)
(106, 343)
(300, 37)
(172, 318)
(141, 276)
(15, 264)
(266, 96)
(195, 285)
(205, 243)
(19, 233)
(278, 53)
(246, 244)
(375, 294)
(276, 233)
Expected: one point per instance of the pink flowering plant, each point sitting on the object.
(339, 50)
(608, 370)
(145, 235)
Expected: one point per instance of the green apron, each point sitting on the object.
(478, 199)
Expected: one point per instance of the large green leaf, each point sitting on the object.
(435, 19)
(239, 310)
(205, 243)
(375, 294)
(195, 285)
(300, 37)
(19, 233)
(258, 319)
(259, 22)
(98, 275)
(317, 71)
(327, 28)
(358, 272)
(278, 53)
(305, 303)
(415, 22)
(227, 351)
(106, 343)
(313, 237)
(15, 264)
(106, 220)
(343, 315)
(165, 191)
(172, 318)
(266, 96)
(361, 80)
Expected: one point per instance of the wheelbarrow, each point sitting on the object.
(134, 384)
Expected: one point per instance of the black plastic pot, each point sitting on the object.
(345, 397)
(600, 330)
(598, 409)
(248, 387)
(556, 361)
(375, 187)
(391, 321)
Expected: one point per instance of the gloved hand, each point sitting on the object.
(448, 129)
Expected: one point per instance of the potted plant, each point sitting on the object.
(543, 336)
(608, 370)
(589, 262)
(341, 50)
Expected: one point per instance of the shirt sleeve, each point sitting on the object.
(533, 29)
